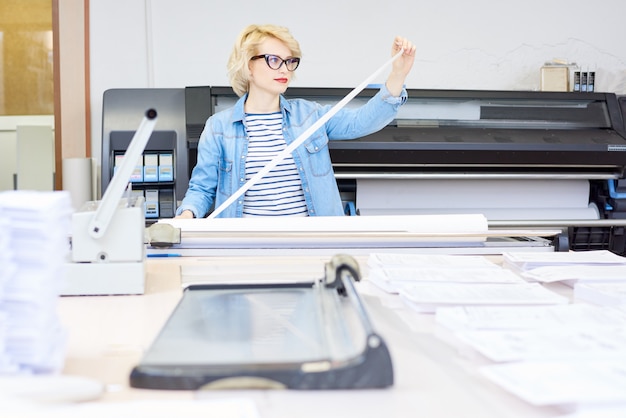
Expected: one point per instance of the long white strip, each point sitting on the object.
(303, 137)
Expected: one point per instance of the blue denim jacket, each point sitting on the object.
(223, 146)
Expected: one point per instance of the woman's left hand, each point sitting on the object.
(404, 63)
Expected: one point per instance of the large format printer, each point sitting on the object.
(523, 159)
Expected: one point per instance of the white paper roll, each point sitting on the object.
(497, 199)
(77, 180)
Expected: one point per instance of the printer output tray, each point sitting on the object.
(313, 335)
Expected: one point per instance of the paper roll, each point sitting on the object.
(497, 199)
(77, 180)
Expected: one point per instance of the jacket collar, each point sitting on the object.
(239, 114)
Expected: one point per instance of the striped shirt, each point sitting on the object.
(279, 192)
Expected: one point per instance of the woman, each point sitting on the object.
(236, 143)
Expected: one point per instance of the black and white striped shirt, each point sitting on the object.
(279, 192)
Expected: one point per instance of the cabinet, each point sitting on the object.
(154, 176)
(162, 175)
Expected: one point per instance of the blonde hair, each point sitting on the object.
(246, 47)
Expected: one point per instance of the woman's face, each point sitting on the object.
(262, 77)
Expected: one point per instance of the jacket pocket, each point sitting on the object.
(224, 177)
(318, 155)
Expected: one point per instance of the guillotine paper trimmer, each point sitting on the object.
(108, 250)
(303, 335)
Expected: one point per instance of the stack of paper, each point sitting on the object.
(426, 282)
(7, 271)
(530, 260)
(570, 275)
(428, 297)
(547, 355)
(604, 294)
(35, 230)
(545, 344)
(409, 261)
(596, 383)
(473, 318)
(556, 266)
(391, 272)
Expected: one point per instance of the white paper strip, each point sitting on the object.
(303, 137)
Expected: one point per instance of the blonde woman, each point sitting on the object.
(237, 142)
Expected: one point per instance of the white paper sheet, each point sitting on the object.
(427, 297)
(604, 294)
(222, 408)
(562, 383)
(528, 317)
(549, 344)
(576, 273)
(392, 279)
(528, 260)
(396, 260)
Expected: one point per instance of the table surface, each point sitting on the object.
(107, 336)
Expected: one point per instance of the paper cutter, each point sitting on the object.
(304, 335)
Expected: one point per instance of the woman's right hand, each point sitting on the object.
(186, 214)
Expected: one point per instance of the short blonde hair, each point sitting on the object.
(246, 47)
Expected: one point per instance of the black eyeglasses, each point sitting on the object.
(275, 62)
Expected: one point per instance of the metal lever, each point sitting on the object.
(114, 192)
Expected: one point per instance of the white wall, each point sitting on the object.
(482, 44)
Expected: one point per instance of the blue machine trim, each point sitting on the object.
(350, 209)
(613, 193)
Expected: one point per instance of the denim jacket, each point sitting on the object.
(223, 146)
